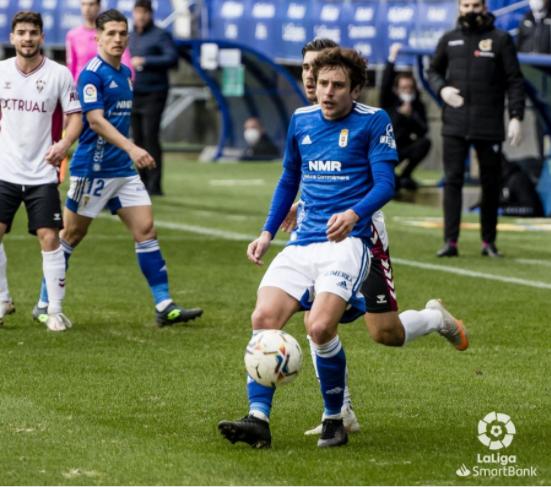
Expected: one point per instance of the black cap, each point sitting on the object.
(146, 4)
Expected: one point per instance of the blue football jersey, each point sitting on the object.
(102, 86)
(337, 159)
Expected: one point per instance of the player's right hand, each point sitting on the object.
(290, 221)
(141, 158)
(257, 248)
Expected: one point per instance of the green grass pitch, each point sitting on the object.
(117, 401)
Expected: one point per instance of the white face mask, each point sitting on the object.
(406, 97)
(537, 5)
(252, 136)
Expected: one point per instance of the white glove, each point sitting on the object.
(514, 131)
(451, 96)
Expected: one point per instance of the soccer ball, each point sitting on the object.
(273, 358)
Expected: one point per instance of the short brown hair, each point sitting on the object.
(318, 45)
(348, 59)
(27, 17)
(405, 75)
(111, 15)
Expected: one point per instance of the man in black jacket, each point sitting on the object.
(534, 31)
(474, 67)
(153, 54)
(400, 98)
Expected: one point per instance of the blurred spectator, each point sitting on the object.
(259, 144)
(400, 98)
(534, 33)
(80, 42)
(518, 194)
(475, 65)
(534, 36)
(153, 54)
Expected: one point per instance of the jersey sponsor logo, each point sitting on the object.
(329, 166)
(388, 138)
(17, 105)
(484, 54)
(90, 93)
(40, 84)
(124, 104)
(342, 284)
(343, 138)
(458, 42)
(306, 140)
(113, 84)
(7, 85)
(381, 299)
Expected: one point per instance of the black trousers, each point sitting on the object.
(414, 152)
(147, 110)
(456, 150)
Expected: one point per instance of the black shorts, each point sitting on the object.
(42, 203)
(378, 288)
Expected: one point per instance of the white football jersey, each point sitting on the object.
(31, 119)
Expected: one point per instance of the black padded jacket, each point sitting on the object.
(482, 63)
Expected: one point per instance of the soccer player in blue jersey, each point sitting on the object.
(385, 325)
(103, 168)
(342, 154)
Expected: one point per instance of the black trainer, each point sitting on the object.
(248, 429)
(490, 250)
(333, 433)
(176, 314)
(448, 250)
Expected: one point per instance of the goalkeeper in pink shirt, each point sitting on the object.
(81, 45)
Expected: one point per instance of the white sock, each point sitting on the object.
(4, 291)
(53, 267)
(347, 400)
(419, 323)
(163, 305)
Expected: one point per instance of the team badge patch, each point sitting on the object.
(343, 138)
(485, 45)
(40, 85)
(90, 93)
(388, 138)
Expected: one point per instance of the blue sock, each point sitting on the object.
(331, 364)
(153, 267)
(67, 251)
(260, 397)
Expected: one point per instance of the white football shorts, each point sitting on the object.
(303, 271)
(88, 196)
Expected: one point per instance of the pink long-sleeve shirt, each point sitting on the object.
(81, 46)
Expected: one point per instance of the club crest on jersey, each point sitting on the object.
(485, 45)
(343, 138)
(90, 93)
(40, 84)
(388, 138)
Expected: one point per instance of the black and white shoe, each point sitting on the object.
(333, 433)
(173, 314)
(248, 429)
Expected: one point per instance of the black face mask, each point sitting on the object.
(472, 20)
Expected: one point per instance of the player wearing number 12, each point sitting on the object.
(102, 169)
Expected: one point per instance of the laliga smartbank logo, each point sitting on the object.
(496, 432)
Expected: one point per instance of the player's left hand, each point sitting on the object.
(340, 225)
(56, 153)
(514, 132)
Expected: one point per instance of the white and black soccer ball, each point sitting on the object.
(273, 358)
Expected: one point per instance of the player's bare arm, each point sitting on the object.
(100, 125)
(290, 221)
(57, 152)
(340, 225)
(257, 248)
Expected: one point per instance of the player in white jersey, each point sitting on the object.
(342, 155)
(35, 92)
(383, 322)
